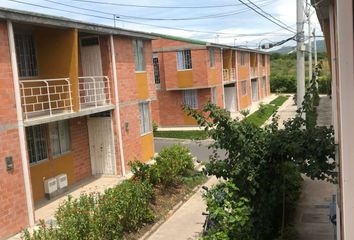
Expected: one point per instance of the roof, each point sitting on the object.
(207, 44)
(50, 20)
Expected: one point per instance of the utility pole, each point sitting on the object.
(300, 52)
(310, 46)
(315, 51)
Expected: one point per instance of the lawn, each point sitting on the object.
(259, 117)
(194, 134)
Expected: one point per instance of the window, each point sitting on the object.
(212, 57)
(190, 98)
(155, 60)
(184, 60)
(139, 55)
(144, 117)
(244, 87)
(213, 95)
(242, 58)
(26, 55)
(36, 143)
(263, 60)
(59, 137)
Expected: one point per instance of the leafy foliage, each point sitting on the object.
(193, 134)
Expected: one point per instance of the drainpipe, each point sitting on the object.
(236, 84)
(222, 78)
(21, 128)
(117, 112)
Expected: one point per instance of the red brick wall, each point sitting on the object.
(13, 207)
(80, 148)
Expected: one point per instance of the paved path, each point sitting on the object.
(187, 222)
(312, 221)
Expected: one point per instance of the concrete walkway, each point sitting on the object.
(187, 222)
(312, 221)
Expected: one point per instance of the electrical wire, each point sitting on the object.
(266, 17)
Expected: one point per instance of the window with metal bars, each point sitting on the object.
(213, 95)
(37, 143)
(190, 98)
(26, 55)
(156, 71)
(139, 58)
(242, 58)
(212, 57)
(244, 87)
(59, 137)
(184, 60)
(144, 118)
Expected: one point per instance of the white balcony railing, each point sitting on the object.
(45, 97)
(225, 75)
(253, 72)
(94, 91)
(232, 74)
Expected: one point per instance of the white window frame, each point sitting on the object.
(244, 87)
(190, 98)
(139, 56)
(145, 123)
(212, 57)
(155, 61)
(213, 95)
(59, 135)
(184, 59)
(37, 148)
(26, 55)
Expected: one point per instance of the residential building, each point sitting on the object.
(192, 72)
(337, 22)
(75, 100)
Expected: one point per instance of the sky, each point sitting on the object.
(221, 21)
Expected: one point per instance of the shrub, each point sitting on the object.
(155, 126)
(145, 172)
(173, 163)
(262, 109)
(245, 112)
(42, 233)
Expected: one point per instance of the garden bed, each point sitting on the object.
(192, 135)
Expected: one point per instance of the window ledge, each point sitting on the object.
(183, 70)
(39, 162)
(140, 71)
(61, 154)
(144, 134)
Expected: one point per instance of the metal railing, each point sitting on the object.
(94, 91)
(45, 97)
(232, 74)
(225, 75)
(253, 72)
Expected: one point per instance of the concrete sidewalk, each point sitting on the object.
(187, 222)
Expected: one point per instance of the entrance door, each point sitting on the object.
(92, 67)
(230, 98)
(254, 84)
(101, 145)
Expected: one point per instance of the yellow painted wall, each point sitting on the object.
(212, 74)
(147, 147)
(48, 169)
(227, 59)
(142, 85)
(57, 56)
(185, 78)
(188, 120)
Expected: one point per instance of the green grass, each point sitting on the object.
(194, 134)
(279, 100)
(259, 117)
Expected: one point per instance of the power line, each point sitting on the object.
(218, 15)
(270, 15)
(158, 6)
(266, 16)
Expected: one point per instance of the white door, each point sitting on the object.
(92, 67)
(230, 99)
(254, 84)
(101, 145)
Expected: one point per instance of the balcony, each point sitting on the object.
(253, 72)
(45, 100)
(232, 74)
(225, 75)
(229, 75)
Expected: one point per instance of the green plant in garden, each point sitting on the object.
(155, 126)
(172, 163)
(145, 172)
(44, 232)
(245, 112)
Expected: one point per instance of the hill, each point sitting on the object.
(288, 49)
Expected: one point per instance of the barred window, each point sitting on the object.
(190, 98)
(37, 143)
(244, 87)
(242, 58)
(156, 71)
(184, 60)
(26, 55)
(212, 57)
(59, 137)
(144, 118)
(213, 95)
(138, 45)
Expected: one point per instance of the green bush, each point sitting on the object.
(173, 163)
(145, 172)
(42, 233)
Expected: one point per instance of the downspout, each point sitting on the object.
(117, 112)
(236, 84)
(21, 128)
(222, 78)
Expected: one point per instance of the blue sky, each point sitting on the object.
(240, 26)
